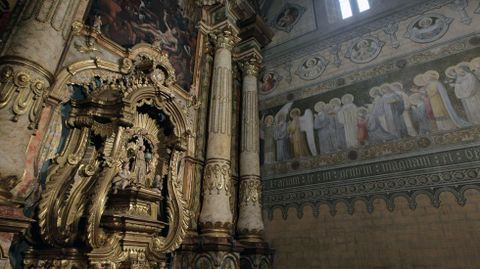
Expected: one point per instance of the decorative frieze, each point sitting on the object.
(453, 171)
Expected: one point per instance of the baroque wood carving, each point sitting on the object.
(115, 193)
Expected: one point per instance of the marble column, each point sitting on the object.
(216, 216)
(250, 222)
(28, 62)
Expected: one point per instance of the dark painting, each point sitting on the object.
(163, 23)
(6, 10)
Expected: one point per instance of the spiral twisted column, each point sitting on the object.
(216, 216)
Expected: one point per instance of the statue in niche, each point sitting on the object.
(140, 164)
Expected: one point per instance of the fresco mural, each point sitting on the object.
(269, 82)
(163, 23)
(288, 17)
(383, 110)
(428, 28)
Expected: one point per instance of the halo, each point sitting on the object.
(475, 64)
(385, 85)
(295, 111)
(319, 106)
(432, 74)
(451, 72)
(362, 111)
(335, 101)
(268, 118)
(464, 64)
(349, 96)
(397, 85)
(419, 80)
(374, 91)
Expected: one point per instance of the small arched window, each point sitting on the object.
(338, 10)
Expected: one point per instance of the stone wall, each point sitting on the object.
(427, 237)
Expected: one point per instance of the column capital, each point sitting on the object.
(251, 66)
(225, 38)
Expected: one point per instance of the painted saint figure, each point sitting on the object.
(362, 126)
(348, 117)
(268, 137)
(332, 110)
(393, 108)
(280, 135)
(419, 114)
(398, 89)
(297, 137)
(325, 128)
(445, 116)
(467, 89)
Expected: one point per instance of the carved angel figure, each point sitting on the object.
(122, 179)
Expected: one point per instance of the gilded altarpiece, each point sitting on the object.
(116, 195)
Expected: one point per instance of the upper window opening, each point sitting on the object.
(350, 8)
(363, 5)
(346, 9)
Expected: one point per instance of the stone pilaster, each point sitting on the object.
(28, 61)
(27, 66)
(216, 216)
(250, 222)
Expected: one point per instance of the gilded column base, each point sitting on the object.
(256, 256)
(249, 236)
(217, 229)
(208, 252)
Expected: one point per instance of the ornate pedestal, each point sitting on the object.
(208, 253)
(134, 213)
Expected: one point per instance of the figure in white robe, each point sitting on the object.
(376, 133)
(445, 115)
(324, 126)
(407, 118)
(393, 108)
(348, 117)
(268, 138)
(332, 109)
(420, 113)
(297, 136)
(377, 108)
(467, 89)
(280, 133)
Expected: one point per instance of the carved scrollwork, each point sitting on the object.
(24, 92)
(217, 177)
(129, 129)
(250, 191)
